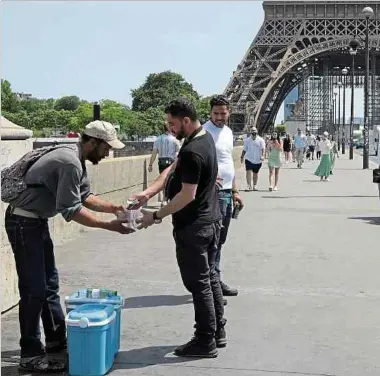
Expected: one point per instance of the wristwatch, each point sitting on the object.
(156, 219)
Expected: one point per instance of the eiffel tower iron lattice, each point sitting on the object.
(298, 41)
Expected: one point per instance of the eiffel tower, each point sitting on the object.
(304, 44)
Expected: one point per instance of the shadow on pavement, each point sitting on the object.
(157, 301)
(147, 356)
(369, 220)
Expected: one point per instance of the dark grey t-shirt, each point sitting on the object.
(64, 185)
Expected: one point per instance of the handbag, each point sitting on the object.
(376, 175)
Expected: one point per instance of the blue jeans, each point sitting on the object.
(226, 208)
(38, 283)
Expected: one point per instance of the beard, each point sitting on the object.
(181, 133)
(94, 156)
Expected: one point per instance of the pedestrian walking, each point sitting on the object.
(317, 148)
(324, 167)
(228, 193)
(40, 185)
(166, 146)
(300, 143)
(287, 146)
(193, 204)
(253, 156)
(274, 160)
(333, 153)
(311, 142)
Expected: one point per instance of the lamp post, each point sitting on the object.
(339, 87)
(354, 45)
(367, 12)
(344, 72)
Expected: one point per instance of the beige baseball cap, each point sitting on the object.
(104, 131)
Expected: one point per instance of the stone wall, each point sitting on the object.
(114, 179)
(11, 151)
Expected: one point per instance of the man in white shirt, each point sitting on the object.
(311, 141)
(300, 143)
(228, 193)
(253, 154)
(166, 146)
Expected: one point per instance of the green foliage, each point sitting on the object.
(203, 109)
(69, 113)
(159, 89)
(280, 129)
(9, 101)
(68, 103)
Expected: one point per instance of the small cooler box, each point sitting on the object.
(98, 296)
(91, 335)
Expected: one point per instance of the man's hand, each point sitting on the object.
(238, 200)
(146, 220)
(141, 199)
(118, 226)
(241, 159)
(119, 210)
(262, 158)
(150, 168)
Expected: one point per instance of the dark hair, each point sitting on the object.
(181, 108)
(85, 138)
(219, 100)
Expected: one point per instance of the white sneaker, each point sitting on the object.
(275, 189)
(249, 188)
(255, 188)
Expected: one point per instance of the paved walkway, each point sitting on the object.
(306, 262)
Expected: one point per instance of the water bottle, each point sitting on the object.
(129, 217)
(235, 213)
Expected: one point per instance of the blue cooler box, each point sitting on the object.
(91, 335)
(80, 297)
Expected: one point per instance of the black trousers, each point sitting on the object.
(38, 283)
(196, 248)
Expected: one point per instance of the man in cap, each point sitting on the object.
(56, 182)
(253, 155)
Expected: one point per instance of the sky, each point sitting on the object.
(104, 49)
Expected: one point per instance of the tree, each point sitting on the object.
(203, 109)
(9, 100)
(68, 103)
(280, 129)
(159, 89)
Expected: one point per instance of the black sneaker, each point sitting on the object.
(196, 348)
(225, 302)
(221, 337)
(41, 364)
(228, 291)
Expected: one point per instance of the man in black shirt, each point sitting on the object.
(191, 189)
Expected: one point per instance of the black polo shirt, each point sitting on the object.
(196, 164)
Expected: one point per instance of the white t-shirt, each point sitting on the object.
(311, 140)
(167, 146)
(254, 149)
(224, 144)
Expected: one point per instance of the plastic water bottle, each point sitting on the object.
(129, 217)
(236, 212)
